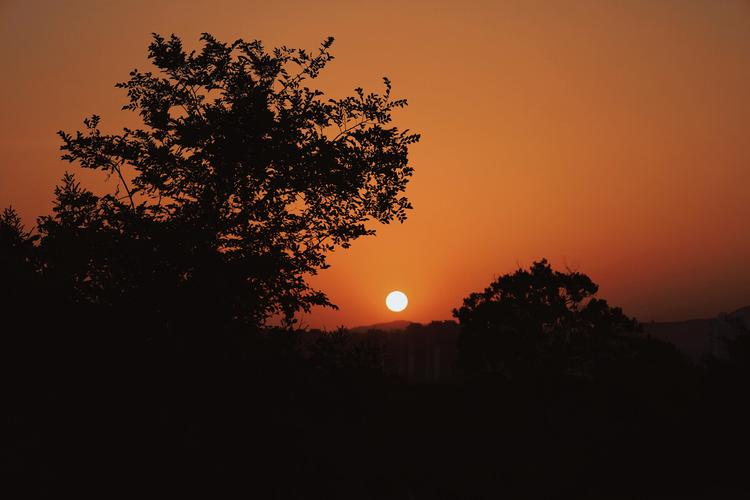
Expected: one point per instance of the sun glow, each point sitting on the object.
(396, 301)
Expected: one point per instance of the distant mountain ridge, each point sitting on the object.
(697, 338)
(388, 326)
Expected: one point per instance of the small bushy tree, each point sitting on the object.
(536, 318)
(18, 262)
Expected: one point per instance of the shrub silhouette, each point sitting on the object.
(239, 183)
(18, 260)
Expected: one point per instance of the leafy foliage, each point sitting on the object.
(534, 317)
(239, 184)
(15, 240)
(18, 260)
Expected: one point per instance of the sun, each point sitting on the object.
(396, 301)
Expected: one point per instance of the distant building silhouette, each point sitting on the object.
(422, 353)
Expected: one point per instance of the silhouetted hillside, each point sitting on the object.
(413, 350)
(385, 327)
(698, 338)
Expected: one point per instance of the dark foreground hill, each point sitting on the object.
(254, 416)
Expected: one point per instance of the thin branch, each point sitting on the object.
(365, 121)
(116, 168)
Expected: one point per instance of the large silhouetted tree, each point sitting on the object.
(240, 181)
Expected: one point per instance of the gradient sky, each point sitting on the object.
(609, 137)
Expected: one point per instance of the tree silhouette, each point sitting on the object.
(240, 182)
(19, 272)
(534, 318)
(18, 262)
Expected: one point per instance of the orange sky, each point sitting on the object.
(611, 137)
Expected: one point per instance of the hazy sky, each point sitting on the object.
(610, 137)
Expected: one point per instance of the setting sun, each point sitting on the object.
(396, 301)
